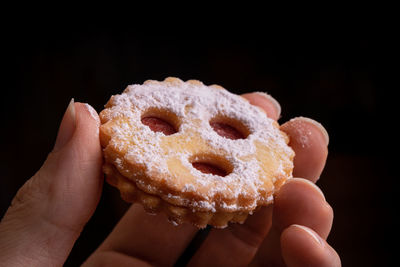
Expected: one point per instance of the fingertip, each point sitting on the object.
(309, 140)
(301, 246)
(301, 202)
(305, 126)
(88, 123)
(317, 125)
(92, 112)
(300, 182)
(266, 102)
(87, 113)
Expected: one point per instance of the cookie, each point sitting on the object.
(198, 153)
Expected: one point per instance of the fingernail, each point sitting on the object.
(310, 232)
(317, 125)
(93, 113)
(273, 101)
(67, 126)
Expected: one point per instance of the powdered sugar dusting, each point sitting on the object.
(195, 105)
(94, 116)
(92, 113)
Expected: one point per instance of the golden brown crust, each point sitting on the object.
(176, 214)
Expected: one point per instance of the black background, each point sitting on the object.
(336, 76)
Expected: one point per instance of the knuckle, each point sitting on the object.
(24, 194)
(29, 193)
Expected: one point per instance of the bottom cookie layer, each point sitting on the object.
(176, 214)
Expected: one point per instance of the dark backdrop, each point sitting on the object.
(333, 76)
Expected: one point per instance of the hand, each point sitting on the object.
(49, 211)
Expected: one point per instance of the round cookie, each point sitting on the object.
(184, 167)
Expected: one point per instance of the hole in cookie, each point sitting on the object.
(212, 164)
(229, 128)
(161, 121)
(209, 168)
(158, 125)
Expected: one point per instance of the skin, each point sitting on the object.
(50, 210)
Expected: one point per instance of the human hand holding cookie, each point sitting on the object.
(196, 153)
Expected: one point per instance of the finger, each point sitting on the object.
(299, 201)
(112, 258)
(150, 238)
(302, 202)
(50, 210)
(309, 140)
(301, 246)
(235, 245)
(266, 102)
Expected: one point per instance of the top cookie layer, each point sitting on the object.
(162, 164)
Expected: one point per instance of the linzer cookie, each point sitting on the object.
(198, 153)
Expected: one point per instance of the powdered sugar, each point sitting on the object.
(92, 113)
(94, 116)
(195, 104)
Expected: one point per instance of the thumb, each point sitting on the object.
(49, 211)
